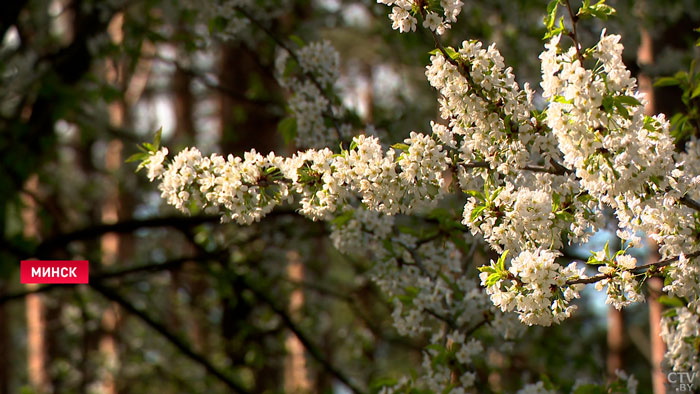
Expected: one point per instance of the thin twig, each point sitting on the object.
(639, 269)
(443, 318)
(573, 34)
(487, 319)
(557, 170)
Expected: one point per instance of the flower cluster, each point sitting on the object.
(489, 115)
(359, 230)
(623, 288)
(321, 60)
(245, 189)
(534, 285)
(685, 277)
(514, 219)
(310, 75)
(681, 332)
(404, 12)
(154, 163)
(598, 119)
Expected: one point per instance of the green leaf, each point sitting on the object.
(629, 100)
(297, 40)
(502, 260)
(290, 67)
(401, 146)
(452, 53)
(493, 279)
(601, 10)
(666, 81)
(408, 230)
(156, 138)
(388, 245)
(551, 14)
(287, 127)
(607, 249)
(137, 157)
(622, 110)
(217, 24)
(486, 268)
(548, 384)
(477, 194)
(607, 103)
(476, 212)
(496, 193)
(343, 218)
(593, 261)
(696, 92)
(556, 201)
(671, 301)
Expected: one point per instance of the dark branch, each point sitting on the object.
(143, 268)
(557, 170)
(690, 203)
(310, 347)
(183, 347)
(126, 226)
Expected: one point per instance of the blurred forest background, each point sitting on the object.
(182, 304)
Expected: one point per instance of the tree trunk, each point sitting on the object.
(245, 124)
(645, 57)
(5, 348)
(616, 341)
(295, 372)
(36, 323)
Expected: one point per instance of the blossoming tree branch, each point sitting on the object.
(531, 179)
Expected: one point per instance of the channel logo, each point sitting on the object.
(55, 271)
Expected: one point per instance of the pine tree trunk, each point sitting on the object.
(645, 57)
(36, 323)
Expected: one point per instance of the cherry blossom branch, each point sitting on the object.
(638, 269)
(461, 67)
(557, 170)
(464, 71)
(573, 35)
